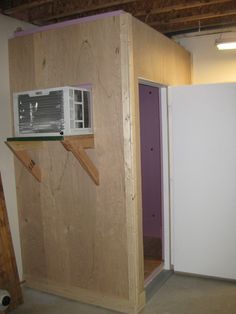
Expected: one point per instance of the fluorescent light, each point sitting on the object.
(226, 44)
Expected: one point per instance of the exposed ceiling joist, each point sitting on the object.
(195, 18)
(195, 27)
(26, 6)
(180, 6)
(167, 16)
(87, 9)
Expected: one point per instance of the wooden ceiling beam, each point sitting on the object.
(26, 6)
(91, 8)
(180, 6)
(193, 27)
(165, 16)
(198, 17)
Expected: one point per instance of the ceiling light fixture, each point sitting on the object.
(226, 44)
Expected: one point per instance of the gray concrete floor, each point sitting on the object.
(179, 295)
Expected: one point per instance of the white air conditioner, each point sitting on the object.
(52, 112)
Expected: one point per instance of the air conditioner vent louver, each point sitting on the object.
(42, 114)
(64, 110)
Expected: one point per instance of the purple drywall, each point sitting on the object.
(67, 23)
(151, 160)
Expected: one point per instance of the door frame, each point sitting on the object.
(165, 161)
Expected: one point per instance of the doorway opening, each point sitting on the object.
(151, 147)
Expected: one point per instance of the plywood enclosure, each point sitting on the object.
(80, 240)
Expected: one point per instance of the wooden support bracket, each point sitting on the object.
(75, 144)
(20, 151)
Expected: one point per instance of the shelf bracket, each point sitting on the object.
(20, 151)
(77, 145)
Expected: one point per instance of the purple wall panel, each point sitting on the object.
(151, 160)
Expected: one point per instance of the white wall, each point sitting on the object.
(204, 179)
(209, 64)
(7, 27)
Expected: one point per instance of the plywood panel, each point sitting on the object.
(157, 59)
(73, 232)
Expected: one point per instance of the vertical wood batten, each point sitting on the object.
(136, 294)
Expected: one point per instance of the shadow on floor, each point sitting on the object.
(178, 295)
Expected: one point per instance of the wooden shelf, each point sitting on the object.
(75, 144)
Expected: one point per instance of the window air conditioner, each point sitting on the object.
(52, 112)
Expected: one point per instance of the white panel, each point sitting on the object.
(165, 178)
(204, 179)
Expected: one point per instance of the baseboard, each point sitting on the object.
(204, 276)
(157, 283)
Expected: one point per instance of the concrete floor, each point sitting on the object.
(179, 295)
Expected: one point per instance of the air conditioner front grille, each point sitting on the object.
(41, 113)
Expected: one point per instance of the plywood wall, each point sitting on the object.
(157, 59)
(80, 240)
(73, 233)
